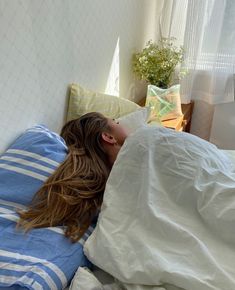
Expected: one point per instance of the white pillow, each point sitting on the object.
(84, 279)
(135, 120)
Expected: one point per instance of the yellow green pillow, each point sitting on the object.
(82, 101)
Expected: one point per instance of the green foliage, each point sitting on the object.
(156, 63)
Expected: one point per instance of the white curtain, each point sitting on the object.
(206, 29)
(209, 43)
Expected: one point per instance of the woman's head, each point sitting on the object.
(95, 134)
(73, 194)
(79, 133)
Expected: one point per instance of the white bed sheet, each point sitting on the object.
(98, 279)
(168, 236)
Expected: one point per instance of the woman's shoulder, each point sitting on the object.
(148, 127)
(145, 134)
(148, 130)
(158, 134)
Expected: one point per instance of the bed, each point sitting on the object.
(152, 254)
(44, 258)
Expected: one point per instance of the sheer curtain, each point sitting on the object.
(209, 43)
(206, 30)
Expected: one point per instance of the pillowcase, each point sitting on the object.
(82, 101)
(135, 120)
(165, 103)
(84, 279)
(43, 258)
(28, 162)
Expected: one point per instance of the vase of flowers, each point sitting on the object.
(156, 63)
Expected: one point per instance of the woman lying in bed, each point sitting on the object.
(73, 195)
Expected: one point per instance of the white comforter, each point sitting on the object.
(168, 216)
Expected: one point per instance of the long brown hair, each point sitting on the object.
(73, 194)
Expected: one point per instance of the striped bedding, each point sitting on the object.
(42, 258)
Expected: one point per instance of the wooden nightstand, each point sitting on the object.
(181, 123)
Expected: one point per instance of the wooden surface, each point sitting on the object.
(182, 123)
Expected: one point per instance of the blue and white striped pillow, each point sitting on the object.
(28, 163)
(42, 258)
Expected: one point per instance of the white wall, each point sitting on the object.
(223, 126)
(47, 44)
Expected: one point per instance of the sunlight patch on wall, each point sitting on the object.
(112, 85)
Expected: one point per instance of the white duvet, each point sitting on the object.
(168, 216)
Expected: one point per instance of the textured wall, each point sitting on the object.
(47, 44)
(223, 126)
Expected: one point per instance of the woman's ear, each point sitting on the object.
(107, 137)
